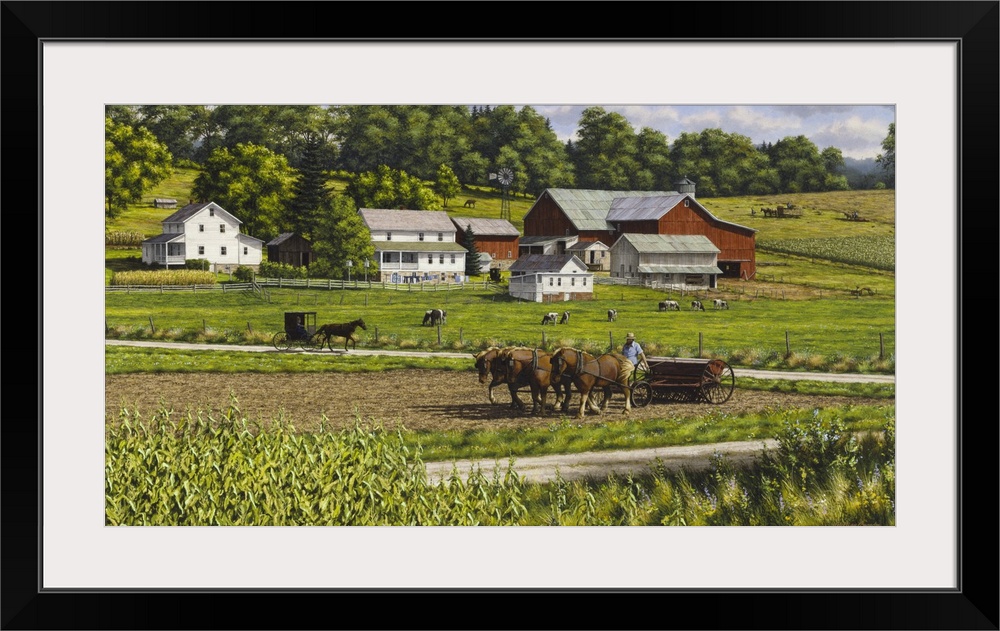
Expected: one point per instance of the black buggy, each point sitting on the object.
(300, 330)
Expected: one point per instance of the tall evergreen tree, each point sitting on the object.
(311, 192)
(472, 262)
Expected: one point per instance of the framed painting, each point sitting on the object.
(918, 573)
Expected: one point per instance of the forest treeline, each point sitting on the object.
(270, 164)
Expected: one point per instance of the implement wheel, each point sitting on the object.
(280, 341)
(717, 382)
(642, 394)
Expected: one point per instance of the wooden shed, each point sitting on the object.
(496, 237)
(162, 202)
(291, 249)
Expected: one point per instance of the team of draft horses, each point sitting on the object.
(560, 370)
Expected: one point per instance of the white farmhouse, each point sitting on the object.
(415, 246)
(550, 278)
(687, 261)
(203, 231)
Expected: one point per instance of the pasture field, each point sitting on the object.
(840, 327)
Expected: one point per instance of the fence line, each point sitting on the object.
(299, 283)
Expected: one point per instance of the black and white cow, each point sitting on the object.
(435, 316)
(550, 318)
(669, 305)
(565, 318)
(697, 306)
(612, 315)
(720, 304)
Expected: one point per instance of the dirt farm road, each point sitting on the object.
(427, 399)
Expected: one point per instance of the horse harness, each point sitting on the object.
(579, 370)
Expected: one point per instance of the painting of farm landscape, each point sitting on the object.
(500, 315)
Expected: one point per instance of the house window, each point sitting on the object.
(559, 282)
(584, 282)
(201, 227)
(201, 249)
(551, 281)
(441, 259)
(452, 258)
(245, 250)
(211, 212)
(388, 236)
(421, 236)
(222, 227)
(687, 203)
(430, 259)
(386, 257)
(508, 253)
(440, 236)
(572, 282)
(223, 251)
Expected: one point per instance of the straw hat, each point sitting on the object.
(630, 336)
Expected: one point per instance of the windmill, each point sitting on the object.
(505, 177)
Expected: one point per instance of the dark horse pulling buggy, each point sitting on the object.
(301, 330)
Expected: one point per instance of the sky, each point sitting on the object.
(857, 130)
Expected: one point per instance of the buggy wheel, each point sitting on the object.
(316, 342)
(717, 382)
(280, 341)
(642, 394)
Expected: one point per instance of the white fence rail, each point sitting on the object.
(299, 283)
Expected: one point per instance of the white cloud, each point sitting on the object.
(854, 136)
(757, 122)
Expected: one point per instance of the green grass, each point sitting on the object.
(836, 327)
(142, 217)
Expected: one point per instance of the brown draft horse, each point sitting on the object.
(344, 330)
(535, 367)
(588, 372)
(489, 367)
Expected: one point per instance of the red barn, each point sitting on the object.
(596, 215)
(681, 214)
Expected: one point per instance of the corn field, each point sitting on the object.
(196, 471)
(875, 252)
(182, 277)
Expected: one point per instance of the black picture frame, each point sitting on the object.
(973, 605)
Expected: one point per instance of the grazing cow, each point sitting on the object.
(470, 203)
(720, 304)
(565, 318)
(612, 315)
(669, 305)
(435, 316)
(697, 306)
(550, 318)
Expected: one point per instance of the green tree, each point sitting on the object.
(655, 167)
(799, 164)
(887, 159)
(447, 184)
(340, 236)
(253, 183)
(311, 191)
(134, 162)
(390, 188)
(606, 151)
(179, 127)
(472, 261)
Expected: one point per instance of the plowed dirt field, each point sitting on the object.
(415, 399)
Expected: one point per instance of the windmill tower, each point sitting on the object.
(505, 177)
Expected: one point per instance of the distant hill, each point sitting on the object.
(861, 174)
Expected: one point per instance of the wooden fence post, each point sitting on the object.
(249, 328)
(439, 335)
(701, 344)
(788, 347)
(461, 340)
(341, 298)
(881, 347)
(611, 341)
(366, 300)
(376, 334)
(152, 329)
(543, 338)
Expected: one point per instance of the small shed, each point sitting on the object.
(163, 202)
(595, 254)
(291, 249)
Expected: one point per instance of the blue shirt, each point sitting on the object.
(632, 352)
